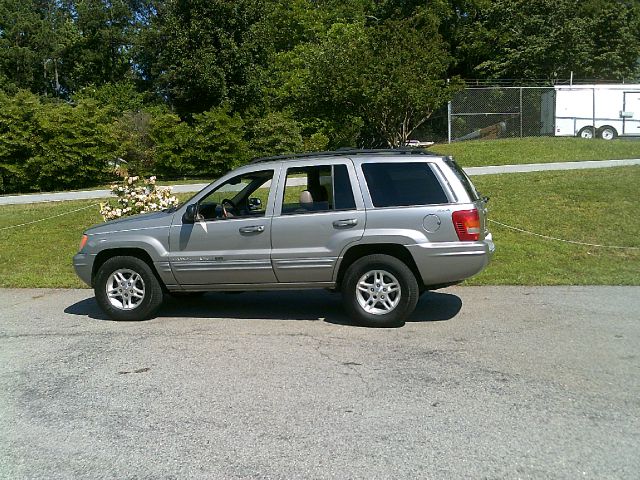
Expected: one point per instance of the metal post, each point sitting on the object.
(449, 122)
(520, 112)
(593, 110)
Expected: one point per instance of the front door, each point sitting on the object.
(230, 241)
(316, 217)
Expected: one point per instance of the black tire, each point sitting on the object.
(607, 133)
(356, 300)
(144, 306)
(586, 132)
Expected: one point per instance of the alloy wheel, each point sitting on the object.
(125, 289)
(378, 292)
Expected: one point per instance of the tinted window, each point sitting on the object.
(402, 184)
(342, 188)
(464, 179)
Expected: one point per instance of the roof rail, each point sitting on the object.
(345, 151)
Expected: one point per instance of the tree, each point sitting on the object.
(614, 33)
(201, 54)
(388, 77)
(549, 39)
(35, 37)
(102, 52)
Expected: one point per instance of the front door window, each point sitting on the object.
(244, 196)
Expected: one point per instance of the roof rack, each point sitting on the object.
(345, 151)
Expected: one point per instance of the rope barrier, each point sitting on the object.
(49, 218)
(560, 239)
(521, 230)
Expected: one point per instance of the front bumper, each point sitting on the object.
(83, 265)
(449, 262)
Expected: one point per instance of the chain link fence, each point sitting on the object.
(503, 112)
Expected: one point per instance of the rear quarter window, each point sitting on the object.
(464, 179)
(401, 184)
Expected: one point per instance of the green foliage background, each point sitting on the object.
(190, 88)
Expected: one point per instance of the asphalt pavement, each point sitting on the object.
(482, 382)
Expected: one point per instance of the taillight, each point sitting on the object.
(467, 224)
(83, 242)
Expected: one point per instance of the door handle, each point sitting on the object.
(350, 222)
(252, 229)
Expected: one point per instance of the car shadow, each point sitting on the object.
(315, 305)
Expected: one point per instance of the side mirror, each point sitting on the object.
(190, 214)
(255, 204)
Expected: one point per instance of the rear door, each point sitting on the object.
(319, 211)
(631, 113)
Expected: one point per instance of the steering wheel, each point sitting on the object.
(226, 214)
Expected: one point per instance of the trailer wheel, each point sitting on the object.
(607, 133)
(586, 132)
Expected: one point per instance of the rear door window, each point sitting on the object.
(401, 184)
(317, 189)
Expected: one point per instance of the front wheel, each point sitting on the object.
(379, 291)
(586, 132)
(127, 289)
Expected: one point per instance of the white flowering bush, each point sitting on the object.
(137, 195)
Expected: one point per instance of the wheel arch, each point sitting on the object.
(140, 253)
(356, 252)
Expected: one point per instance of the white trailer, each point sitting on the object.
(606, 111)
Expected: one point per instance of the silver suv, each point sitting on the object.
(381, 226)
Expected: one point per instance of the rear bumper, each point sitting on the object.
(451, 262)
(83, 265)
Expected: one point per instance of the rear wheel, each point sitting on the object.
(586, 132)
(379, 291)
(127, 289)
(607, 133)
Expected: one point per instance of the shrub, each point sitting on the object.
(74, 147)
(51, 145)
(137, 195)
(218, 142)
(17, 143)
(171, 139)
(274, 134)
(209, 146)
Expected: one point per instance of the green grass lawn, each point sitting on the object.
(39, 255)
(479, 153)
(593, 206)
